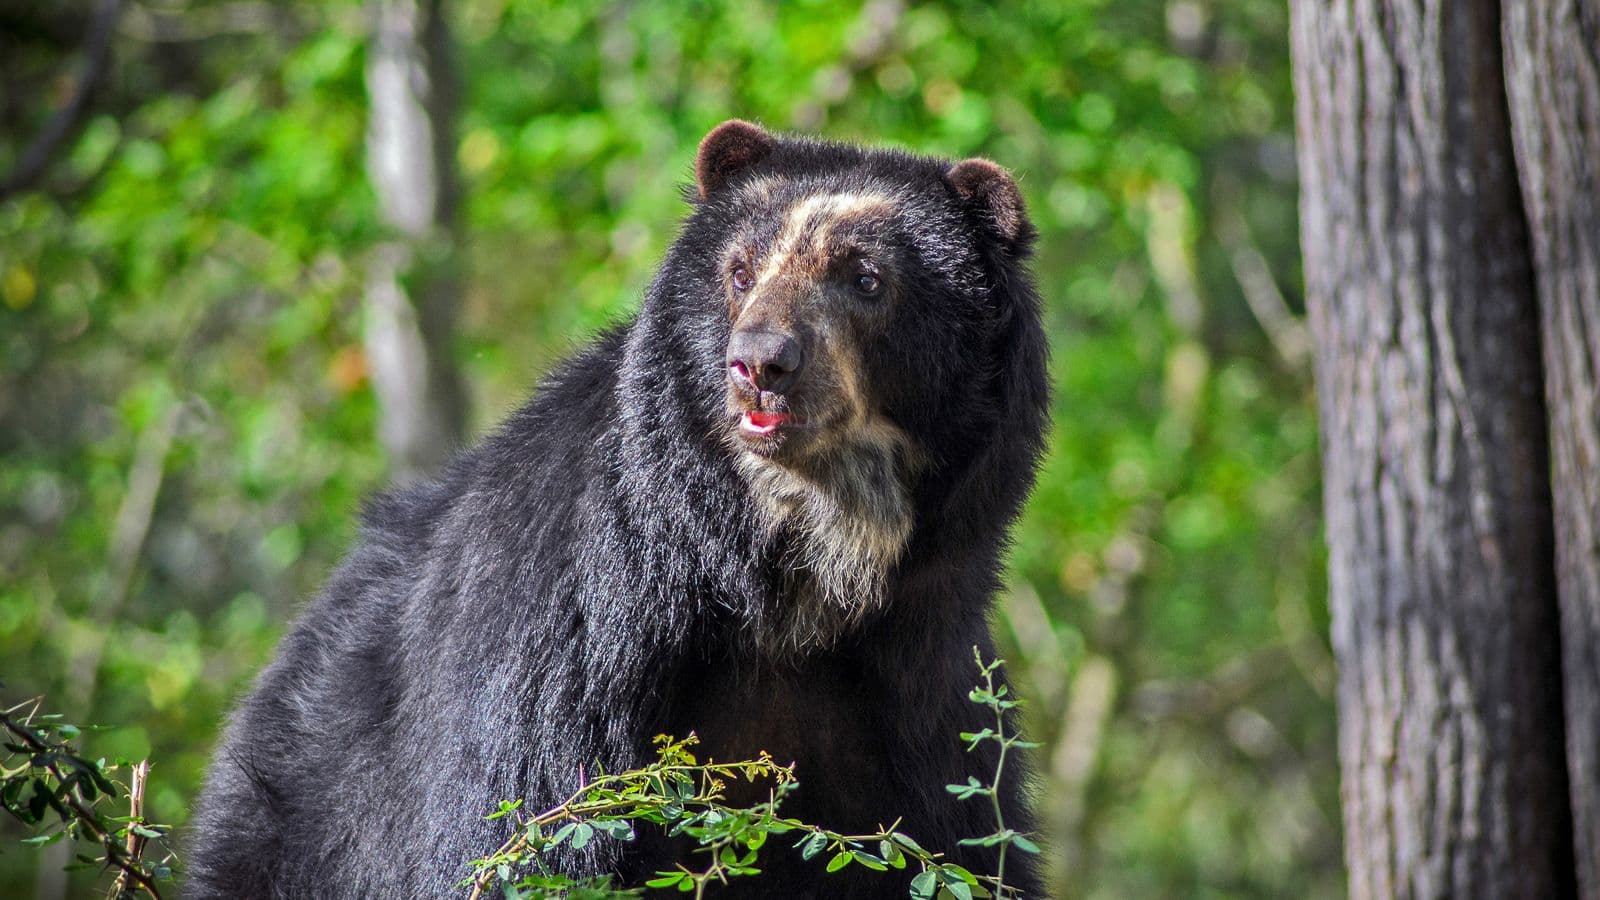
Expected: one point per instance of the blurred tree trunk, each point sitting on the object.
(1553, 84)
(413, 290)
(1420, 282)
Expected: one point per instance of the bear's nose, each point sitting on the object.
(768, 360)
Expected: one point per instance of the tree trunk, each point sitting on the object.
(413, 291)
(1552, 72)
(1420, 288)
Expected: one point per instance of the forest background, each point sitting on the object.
(188, 420)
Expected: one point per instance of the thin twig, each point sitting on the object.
(86, 817)
(1283, 328)
(136, 817)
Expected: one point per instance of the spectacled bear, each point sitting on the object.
(769, 509)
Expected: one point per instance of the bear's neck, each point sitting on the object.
(842, 520)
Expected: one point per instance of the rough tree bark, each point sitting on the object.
(1420, 286)
(412, 290)
(1552, 72)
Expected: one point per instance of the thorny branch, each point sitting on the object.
(124, 858)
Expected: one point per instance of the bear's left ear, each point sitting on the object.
(731, 147)
(991, 191)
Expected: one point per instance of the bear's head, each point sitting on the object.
(867, 336)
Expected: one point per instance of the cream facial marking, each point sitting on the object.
(809, 222)
(843, 500)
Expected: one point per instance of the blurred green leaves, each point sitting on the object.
(198, 255)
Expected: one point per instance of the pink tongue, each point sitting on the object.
(765, 420)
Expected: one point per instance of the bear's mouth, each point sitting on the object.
(762, 420)
(762, 423)
(771, 428)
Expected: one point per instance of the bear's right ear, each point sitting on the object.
(733, 146)
(990, 189)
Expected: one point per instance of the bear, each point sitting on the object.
(769, 509)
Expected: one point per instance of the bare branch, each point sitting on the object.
(136, 841)
(1287, 331)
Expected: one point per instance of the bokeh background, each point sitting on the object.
(187, 427)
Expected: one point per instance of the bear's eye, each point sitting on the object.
(742, 279)
(868, 284)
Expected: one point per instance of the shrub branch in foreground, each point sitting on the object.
(47, 786)
(686, 797)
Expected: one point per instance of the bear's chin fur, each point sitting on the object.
(845, 514)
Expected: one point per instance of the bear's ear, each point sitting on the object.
(990, 190)
(729, 148)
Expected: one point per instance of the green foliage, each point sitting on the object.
(180, 315)
(995, 699)
(686, 797)
(53, 791)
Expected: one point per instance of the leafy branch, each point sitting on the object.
(42, 774)
(1003, 838)
(687, 797)
(663, 792)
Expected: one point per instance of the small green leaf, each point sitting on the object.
(506, 808)
(970, 789)
(581, 836)
(813, 845)
(667, 879)
(1025, 845)
(974, 738)
(839, 861)
(868, 860)
(953, 871)
(618, 829)
(98, 773)
(925, 885)
(906, 842)
(38, 803)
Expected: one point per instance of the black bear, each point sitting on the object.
(769, 510)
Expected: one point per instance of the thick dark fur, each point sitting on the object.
(596, 572)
